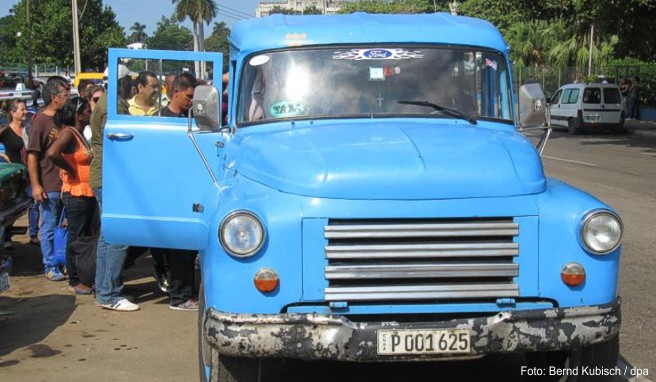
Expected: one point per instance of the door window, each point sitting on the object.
(612, 95)
(570, 96)
(592, 95)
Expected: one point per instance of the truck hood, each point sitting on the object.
(402, 161)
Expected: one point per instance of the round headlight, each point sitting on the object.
(241, 234)
(602, 232)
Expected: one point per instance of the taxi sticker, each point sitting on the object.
(285, 109)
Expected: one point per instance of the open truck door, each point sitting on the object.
(157, 170)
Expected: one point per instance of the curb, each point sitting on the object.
(646, 128)
(645, 133)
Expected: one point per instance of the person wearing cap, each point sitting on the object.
(145, 101)
(109, 258)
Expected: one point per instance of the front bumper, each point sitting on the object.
(334, 337)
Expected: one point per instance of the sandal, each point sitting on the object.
(80, 289)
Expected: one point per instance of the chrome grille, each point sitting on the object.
(421, 260)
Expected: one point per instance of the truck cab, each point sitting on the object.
(369, 197)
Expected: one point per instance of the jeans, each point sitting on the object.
(109, 266)
(81, 214)
(50, 211)
(33, 216)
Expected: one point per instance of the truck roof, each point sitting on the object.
(281, 31)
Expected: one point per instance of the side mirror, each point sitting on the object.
(534, 112)
(532, 106)
(207, 107)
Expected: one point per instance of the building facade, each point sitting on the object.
(326, 6)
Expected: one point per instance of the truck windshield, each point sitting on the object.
(366, 81)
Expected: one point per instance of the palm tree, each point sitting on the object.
(138, 34)
(197, 11)
(528, 44)
(573, 49)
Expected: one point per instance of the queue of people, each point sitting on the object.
(63, 154)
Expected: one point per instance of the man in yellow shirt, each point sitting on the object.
(145, 102)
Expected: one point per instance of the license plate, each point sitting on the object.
(423, 341)
(4, 281)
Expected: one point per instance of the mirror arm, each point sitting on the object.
(543, 141)
(190, 133)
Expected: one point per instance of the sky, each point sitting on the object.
(149, 12)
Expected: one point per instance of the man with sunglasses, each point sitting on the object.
(181, 95)
(44, 175)
(94, 92)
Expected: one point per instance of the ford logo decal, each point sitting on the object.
(377, 54)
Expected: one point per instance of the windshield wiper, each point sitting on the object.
(442, 109)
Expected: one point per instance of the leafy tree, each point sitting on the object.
(8, 42)
(197, 11)
(138, 34)
(218, 42)
(312, 10)
(394, 6)
(633, 23)
(282, 11)
(528, 43)
(617, 25)
(52, 35)
(169, 35)
(505, 13)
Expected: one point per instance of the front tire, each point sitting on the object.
(230, 369)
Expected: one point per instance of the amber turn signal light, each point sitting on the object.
(573, 274)
(266, 280)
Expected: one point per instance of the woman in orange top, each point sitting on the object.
(71, 152)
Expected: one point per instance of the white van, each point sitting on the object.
(579, 106)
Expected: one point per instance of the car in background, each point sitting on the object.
(587, 106)
(14, 202)
(90, 77)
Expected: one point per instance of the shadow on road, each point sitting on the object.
(26, 321)
(610, 138)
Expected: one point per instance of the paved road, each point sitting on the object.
(55, 336)
(620, 170)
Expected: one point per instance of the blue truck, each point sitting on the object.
(369, 196)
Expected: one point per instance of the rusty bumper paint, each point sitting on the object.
(334, 337)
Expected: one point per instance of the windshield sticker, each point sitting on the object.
(376, 74)
(285, 109)
(491, 63)
(377, 54)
